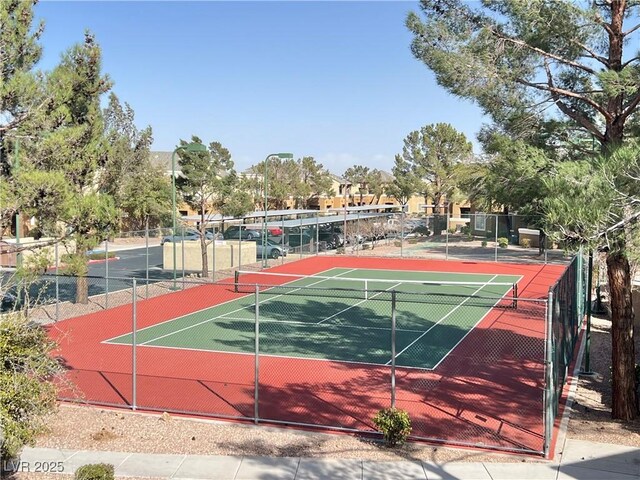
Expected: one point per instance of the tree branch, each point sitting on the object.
(545, 54)
(629, 32)
(630, 61)
(630, 108)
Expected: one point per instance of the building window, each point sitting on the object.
(465, 212)
(480, 222)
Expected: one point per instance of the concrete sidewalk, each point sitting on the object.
(579, 460)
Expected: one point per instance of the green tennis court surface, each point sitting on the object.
(330, 317)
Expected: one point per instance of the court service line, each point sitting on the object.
(356, 304)
(207, 308)
(236, 310)
(439, 321)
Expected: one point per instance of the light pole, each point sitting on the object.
(189, 147)
(266, 208)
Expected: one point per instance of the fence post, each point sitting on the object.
(285, 238)
(57, 264)
(393, 349)
(257, 357)
(213, 256)
(106, 273)
(301, 245)
(183, 268)
(146, 246)
(495, 256)
(549, 391)
(134, 359)
(446, 253)
(587, 338)
(240, 247)
(402, 232)
(317, 234)
(358, 233)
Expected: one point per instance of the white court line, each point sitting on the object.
(206, 308)
(359, 303)
(439, 321)
(237, 310)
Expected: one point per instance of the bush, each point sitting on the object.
(484, 243)
(413, 241)
(101, 255)
(397, 243)
(95, 471)
(27, 392)
(366, 246)
(503, 242)
(525, 243)
(70, 257)
(465, 230)
(394, 424)
(340, 250)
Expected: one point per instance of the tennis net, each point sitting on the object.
(485, 294)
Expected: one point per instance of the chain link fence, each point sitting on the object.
(476, 372)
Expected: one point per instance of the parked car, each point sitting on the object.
(189, 235)
(236, 232)
(332, 240)
(272, 249)
(296, 240)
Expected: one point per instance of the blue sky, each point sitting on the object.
(333, 80)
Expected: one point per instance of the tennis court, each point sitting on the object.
(341, 315)
(312, 343)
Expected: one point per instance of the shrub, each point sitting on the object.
(413, 241)
(95, 471)
(366, 246)
(503, 242)
(340, 250)
(484, 243)
(465, 230)
(26, 371)
(394, 424)
(397, 243)
(101, 255)
(525, 242)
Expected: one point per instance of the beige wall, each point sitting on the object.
(227, 255)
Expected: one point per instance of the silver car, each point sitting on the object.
(272, 249)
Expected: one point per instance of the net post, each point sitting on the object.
(134, 359)
(515, 295)
(393, 349)
(366, 289)
(257, 356)
(236, 278)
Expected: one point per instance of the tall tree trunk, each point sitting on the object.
(624, 405)
(82, 284)
(205, 257)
